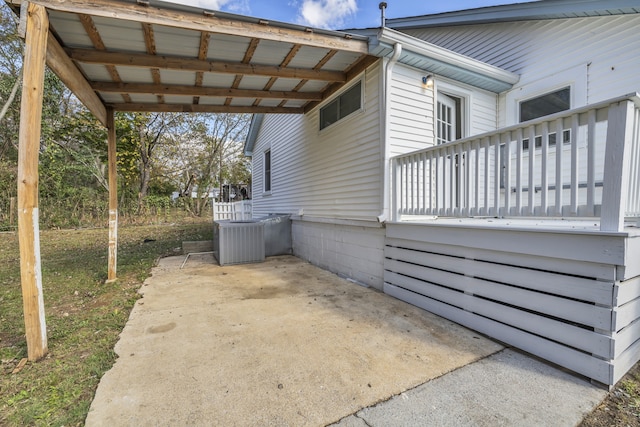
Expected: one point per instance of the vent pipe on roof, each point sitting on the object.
(383, 19)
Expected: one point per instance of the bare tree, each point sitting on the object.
(204, 157)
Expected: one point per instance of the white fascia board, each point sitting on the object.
(252, 135)
(421, 47)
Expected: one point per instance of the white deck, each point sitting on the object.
(562, 290)
(593, 171)
(542, 225)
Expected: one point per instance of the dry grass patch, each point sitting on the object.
(84, 316)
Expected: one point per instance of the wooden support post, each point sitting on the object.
(113, 197)
(12, 211)
(617, 165)
(28, 225)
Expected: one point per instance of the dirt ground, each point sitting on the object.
(621, 408)
(276, 343)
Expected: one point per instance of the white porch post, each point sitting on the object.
(617, 165)
(37, 30)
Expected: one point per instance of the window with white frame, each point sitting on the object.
(348, 102)
(449, 118)
(267, 171)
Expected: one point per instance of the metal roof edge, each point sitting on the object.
(418, 47)
(531, 10)
(252, 135)
(163, 4)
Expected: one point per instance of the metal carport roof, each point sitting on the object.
(156, 56)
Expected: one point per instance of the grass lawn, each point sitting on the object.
(84, 316)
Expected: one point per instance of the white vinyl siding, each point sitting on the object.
(411, 115)
(596, 50)
(410, 111)
(333, 173)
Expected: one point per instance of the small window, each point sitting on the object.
(546, 104)
(345, 104)
(267, 171)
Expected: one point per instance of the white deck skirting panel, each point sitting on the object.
(569, 296)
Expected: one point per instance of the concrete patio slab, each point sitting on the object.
(278, 343)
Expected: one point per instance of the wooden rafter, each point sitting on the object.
(203, 108)
(177, 63)
(203, 51)
(209, 22)
(150, 43)
(287, 59)
(201, 91)
(253, 45)
(318, 66)
(96, 39)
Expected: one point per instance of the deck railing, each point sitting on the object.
(577, 163)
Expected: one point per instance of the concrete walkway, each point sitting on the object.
(283, 343)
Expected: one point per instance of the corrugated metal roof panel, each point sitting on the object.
(295, 103)
(120, 35)
(74, 32)
(340, 61)
(270, 52)
(308, 57)
(176, 42)
(288, 84)
(96, 72)
(135, 75)
(217, 80)
(314, 86)
(208, 100)
(178, 99)
(268, 102)
(227, 48)
(245, 102)
(253, 82)
(115, 35)
(241, 18)
(144, 98)
(173, 77)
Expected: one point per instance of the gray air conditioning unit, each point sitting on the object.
(238, 242)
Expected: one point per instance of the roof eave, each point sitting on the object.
(519, 12)
(443, 62)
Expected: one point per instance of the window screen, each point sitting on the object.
(267, 170)
(347, 103)
(546, 104)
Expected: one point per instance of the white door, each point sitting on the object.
(446, 119)
(447, 131)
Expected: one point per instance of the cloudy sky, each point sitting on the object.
(337, 14)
